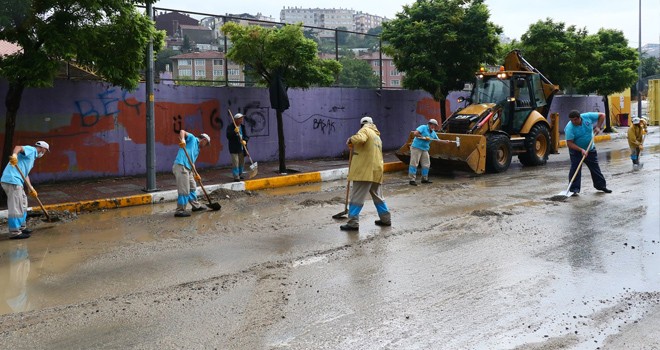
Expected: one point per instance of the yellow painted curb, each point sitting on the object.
(111, 203)
(281, 181)
(394, 166)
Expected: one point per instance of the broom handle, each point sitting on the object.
(580, 165)
(196, 173)
(348, 184)
(240, 137)
(32, 188)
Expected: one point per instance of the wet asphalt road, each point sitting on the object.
(471, 262)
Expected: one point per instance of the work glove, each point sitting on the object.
(236, 130)
(33, 193)
(197, 177)
(244, 142)
(182, 144)
(13, 159)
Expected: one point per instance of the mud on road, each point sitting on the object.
(469, 263)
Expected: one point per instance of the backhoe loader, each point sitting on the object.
(506, 114)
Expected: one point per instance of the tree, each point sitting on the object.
(279, 55)
(108, 37)
(650, 65)
(186, 46)
(357, 73)
(612, 66)
(440, 44)
(556, 51)
(163, 59)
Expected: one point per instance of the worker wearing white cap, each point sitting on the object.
(366, 173)
(20, 163)
(237, 139)
(186, 185)
(635, 141)
(419, 151)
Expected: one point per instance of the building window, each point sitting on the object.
(394, 72)
(234, 71)
(184, 63)
(394, 82)
(200, 63)
(185, 72)
(200, 73)
(218, 73)
(217, 62)
(377, 63)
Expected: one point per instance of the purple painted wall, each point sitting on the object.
(99, 130)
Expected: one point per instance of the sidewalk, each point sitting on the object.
(116, 192)
(110, 193)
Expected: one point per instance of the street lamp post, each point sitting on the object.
(150, 120)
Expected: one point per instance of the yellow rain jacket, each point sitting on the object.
(367, 161)
(635, 133)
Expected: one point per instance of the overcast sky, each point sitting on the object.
(512, 15)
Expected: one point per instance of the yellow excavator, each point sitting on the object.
(506, 114)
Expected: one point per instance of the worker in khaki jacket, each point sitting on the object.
(635, 140)
(366, 173)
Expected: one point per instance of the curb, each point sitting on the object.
(171, 195)
(249, 185)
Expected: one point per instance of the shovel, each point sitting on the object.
(254, 167)
(48, 218)
(565, 194)
(342, 214)
(457, 142)
(213, 205)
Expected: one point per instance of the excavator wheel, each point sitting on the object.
(537, 146)
(498, 153)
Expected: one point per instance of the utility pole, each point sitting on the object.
(151, 124)
(639, 70)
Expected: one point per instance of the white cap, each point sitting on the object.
(43, 144)
(238, 116)
(635, 120)
(207, 137)
(433, 121)
(366, 120)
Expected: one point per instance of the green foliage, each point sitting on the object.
(357, 73)
(163, 59)
(440, 44)
(285, 49)
(579, 62)
(108, 37)
(556, 51)
(650, 65)
(612, 66)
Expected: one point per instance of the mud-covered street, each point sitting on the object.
(470, 262)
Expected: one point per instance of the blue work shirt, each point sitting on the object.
(426, 132)
(581, 135)
(192, 146)
(25, 162)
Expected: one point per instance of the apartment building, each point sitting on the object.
(207, 65)
(331, 18)
(392, 78)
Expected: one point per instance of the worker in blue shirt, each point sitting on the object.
(22, 157)
(183, 172)
(579, 132)
(419, 151)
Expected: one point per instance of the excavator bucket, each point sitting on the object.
(464, 152)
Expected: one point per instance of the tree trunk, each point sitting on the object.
(443, 111)
(12, 103)
(280, 141)
(608, 122)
